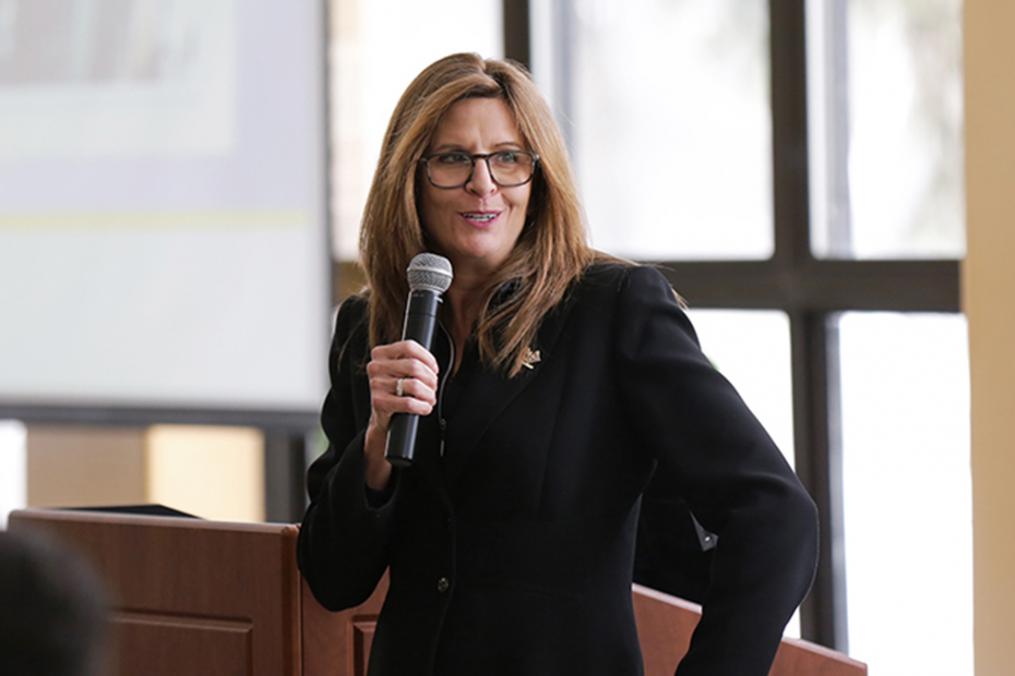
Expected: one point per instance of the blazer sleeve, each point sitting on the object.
(342, 547)
(712, 452)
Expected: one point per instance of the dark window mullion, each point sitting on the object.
(790, 181)
(827, 285)
(822, 616)
(817, 432)
(517, 31)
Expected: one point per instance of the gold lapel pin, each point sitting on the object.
(532, 358)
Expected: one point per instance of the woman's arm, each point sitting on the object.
(714, 453)
(344, 534)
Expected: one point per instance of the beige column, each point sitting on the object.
(212, 472)
(82, 466)
(989, 301)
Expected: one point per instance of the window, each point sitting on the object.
(666, 108)
(907, 490)
(886, 128)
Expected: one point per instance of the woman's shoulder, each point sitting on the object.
(605, 271)
(598, 288)
(351, 313)
(612, 288)
(608, 274)
(351, 325)
(356, 304)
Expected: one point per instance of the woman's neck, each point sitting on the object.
(464, 306)
(465, 300)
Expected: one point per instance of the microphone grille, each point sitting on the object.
(429, 272)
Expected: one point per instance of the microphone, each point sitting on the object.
(429, 277)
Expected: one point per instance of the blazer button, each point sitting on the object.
(443, 584)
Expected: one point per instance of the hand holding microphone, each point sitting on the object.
(403, 375)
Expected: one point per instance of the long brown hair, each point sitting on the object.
(552, 250)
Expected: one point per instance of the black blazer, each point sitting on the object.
(510, 540)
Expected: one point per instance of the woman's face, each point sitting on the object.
(475, 226)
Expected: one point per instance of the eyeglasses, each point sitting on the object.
(453, 169)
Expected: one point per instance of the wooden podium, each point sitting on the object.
(202, 597)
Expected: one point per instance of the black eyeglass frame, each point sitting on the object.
(425, 161)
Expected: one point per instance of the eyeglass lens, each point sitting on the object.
(508, 168)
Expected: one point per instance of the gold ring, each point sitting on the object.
(399, 391)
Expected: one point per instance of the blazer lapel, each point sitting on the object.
(489, 393)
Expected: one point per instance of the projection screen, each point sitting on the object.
(162, 207)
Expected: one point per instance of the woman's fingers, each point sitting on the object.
(417, 389)
(392, 403)
(386, 403)
(406, 359)
(391, 370)
(405, 349)
(403, 379)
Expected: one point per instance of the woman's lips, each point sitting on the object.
(480, 219)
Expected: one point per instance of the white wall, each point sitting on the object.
(13, 472)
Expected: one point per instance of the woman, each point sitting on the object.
(560, 382)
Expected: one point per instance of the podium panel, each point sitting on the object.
(190, 596)
(174, 644)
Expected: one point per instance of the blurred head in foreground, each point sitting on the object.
(52, 610)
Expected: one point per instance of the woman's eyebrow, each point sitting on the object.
(448, 146)
(458, 146)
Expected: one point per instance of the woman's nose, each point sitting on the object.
(481, 182)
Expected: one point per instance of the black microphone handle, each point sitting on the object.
(420, 322)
